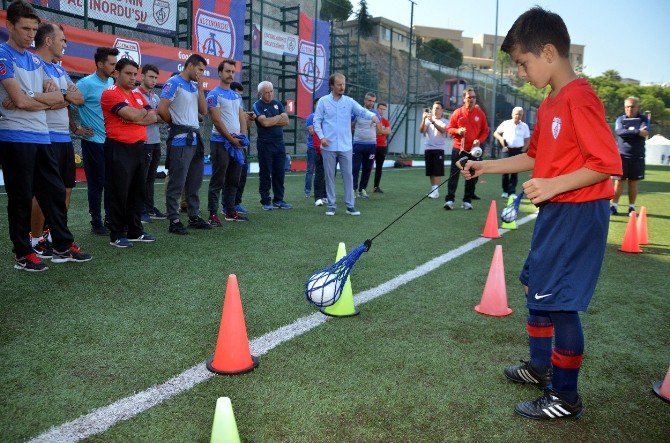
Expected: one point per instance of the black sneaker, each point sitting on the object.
(43, 249)
(73, 253)
(198, 223)
(30, 263)
(100, 230)
(155, 214)
(176, 227)
(613, 210)
(377, 190)
(525, 373)
(549, 407)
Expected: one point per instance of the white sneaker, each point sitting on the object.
(434, 194)
(353, 211)
(467, 206)
(449, 205)
(504, 195)
(363, 194)
(318, 202)
(330, 211)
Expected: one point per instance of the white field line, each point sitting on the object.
(101, 419)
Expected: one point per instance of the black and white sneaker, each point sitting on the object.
(198, 223)
(549, 407)
(524, 373)
(30, 262)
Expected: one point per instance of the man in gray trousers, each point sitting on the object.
(332, 123)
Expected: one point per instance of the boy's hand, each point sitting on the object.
(539, 190)
(470, 169)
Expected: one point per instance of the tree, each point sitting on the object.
(442, 52)
(365, 25)
(612, 74)
(335, 10)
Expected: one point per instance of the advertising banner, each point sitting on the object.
(313, 56)
(277, 42)
(82, 44)
(218, 28)
(152, 15)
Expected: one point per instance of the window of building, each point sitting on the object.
(401, 38)
(386, 34)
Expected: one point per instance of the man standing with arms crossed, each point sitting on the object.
(469, 129)
(365, 145)
(270, 120)
(92, 130)
(632, 130)
(182, 101)
(229, 127)
(29, 166)
(49, 46)
(332, 124)
(152, 148)
(514, 137)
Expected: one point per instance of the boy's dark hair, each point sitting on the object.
(437, 102)
(465, 92)
(102, 53)
(534, 29)
(195, 59)
(147, 68)
(125, 62)
(43, 31)
(20, 9)
(382, 104)
(226, 62)
(237, 87)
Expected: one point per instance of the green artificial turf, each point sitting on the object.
(418, 364)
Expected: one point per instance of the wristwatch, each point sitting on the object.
(30, 94)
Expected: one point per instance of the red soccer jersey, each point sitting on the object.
(474, 121)
(381, 138)
(571, 133)
(111, 101)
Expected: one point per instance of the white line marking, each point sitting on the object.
(101, 419)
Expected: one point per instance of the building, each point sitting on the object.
(385, 32)
(478, 52)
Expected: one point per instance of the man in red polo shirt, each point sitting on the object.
(469, 129)
(126, 114)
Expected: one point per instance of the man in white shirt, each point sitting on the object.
(434, 129)
(514, 137)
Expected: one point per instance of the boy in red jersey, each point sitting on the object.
(572, 154)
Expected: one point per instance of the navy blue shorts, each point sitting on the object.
(566, 255)
(633, 168)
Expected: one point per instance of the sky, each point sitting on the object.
(628, 36)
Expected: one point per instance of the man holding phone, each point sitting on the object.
(632, 130)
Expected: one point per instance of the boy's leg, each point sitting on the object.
(540, 334)
(309, 174)
(566, 357)
(452, 185)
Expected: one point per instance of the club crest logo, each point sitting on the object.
(311, 70)
(556, 127)
(161, 11)
(128, 49)
(3, 69)
(215, 34)
(476, 118)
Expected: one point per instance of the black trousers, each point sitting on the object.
(452, 184)
(94, 166)
(319, 178)
(380, 156)
(124, 180)
(31, 169)
(224, 180)
(509, 181)
(153, 154)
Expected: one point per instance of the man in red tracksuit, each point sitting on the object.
(469, 129)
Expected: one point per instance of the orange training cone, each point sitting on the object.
(232, 355)
(494, 298)
(491, 227)
(663, 389)
(630, 243)
(642, 234)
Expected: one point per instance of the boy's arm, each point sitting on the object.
(510, 165)
(539, 190)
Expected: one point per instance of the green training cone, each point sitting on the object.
(511, 225)
(344, 307)
(224, 428)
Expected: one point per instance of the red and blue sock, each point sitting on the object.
(540, 334)
(566, 357)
